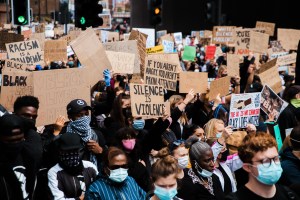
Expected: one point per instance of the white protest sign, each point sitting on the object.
(178, 37)
(121, 62)
(244, 109)
(168, 46)
(151, 36)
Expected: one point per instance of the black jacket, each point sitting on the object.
(287, 119)
(291, 168)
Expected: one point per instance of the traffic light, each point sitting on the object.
(210, 11)
(87, 13)
(20, 12)
(155, 12)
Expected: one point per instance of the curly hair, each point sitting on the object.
(253, 143)
(26, 101)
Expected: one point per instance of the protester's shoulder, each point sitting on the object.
(286, 192)
(53, 170)
(88, 164)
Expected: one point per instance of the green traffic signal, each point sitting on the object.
(21, 19)
(82, 20)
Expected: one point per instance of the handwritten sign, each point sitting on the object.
(147, 100)
(9, 38)
(219, 86)
(13, 65)
(244, 110)
(259, 42)
(40, 37)
(287, 59)
(168, 46)
(55, 50)
(141, 44)
(167, 57)
(242, 41)
(25, 52)
(271, 102)
(121, 62)
(276, 46)
(156, 49)
(193, 80)
(178, 37)
(158, 72)
(91, 54)
(223, 35)
(269, 27)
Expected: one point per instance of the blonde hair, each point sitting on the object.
(210, 127)
(221, 69)
(174, 99)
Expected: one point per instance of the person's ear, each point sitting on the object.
(247, 167)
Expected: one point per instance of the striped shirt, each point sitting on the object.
(103, 188)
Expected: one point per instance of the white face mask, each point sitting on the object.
(196, 70)
(202, 48)
(201, 57)
(183, 162)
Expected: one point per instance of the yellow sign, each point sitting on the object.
(156, 49)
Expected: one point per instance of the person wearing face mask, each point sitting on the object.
(261, 160)
(222, 72)
(199, 182)
(128, 142)
(71, 176)
(17, 174)
(215, 128)
(164, 174)
(113, 182)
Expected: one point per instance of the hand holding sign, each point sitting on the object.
(227, 132)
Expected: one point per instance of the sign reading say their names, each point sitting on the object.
(193, 80)
(159, 72)
(121, 62)
(244, 109)
(25, 52)
(147, 100)
(55, 50)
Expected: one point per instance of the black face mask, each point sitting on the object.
(29, 123)
(224, 155)
(125, 112)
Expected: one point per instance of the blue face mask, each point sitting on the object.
(203, 172)
(118, 175)
(71, 63)
(165, 194)
(218, 135)
(269, 175)
(138, 124)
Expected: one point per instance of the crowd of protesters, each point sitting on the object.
(102, 151)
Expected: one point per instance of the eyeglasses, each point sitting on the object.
(113, 167)
(268, 161)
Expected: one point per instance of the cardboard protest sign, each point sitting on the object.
(113, 36)
(159, 72)
(40, 37)
(268, 74)
(168, 46)
(178, 37)
(233, 64)
(9, 38)
(167, 37)
(29, 52)
(141, 44)
(244, 109)
(15, 83)
(193, 80)
(3, 56)
(55, 50)
(26, 34)
(289, 38)
(40, 28)
(189, 53)
(276, 46)
(219, 86)
(277, 55)
(91, 54)
(147, 100)
(269, 27)
(106, 21)
(150, 32)
(258, 42)
(121, 62)
(14, 65)
(156, 49)
(129, 46)
(168, 57)
(205, 41)
(287, 59)
(223, 35)
(242, 41)
(271, 103)
(210, 52)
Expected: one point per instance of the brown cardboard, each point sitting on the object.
(258, 42)
(121, 62)
(160, 72)
(147, 100)
(193, 80)
(223, 35)
(168, 57)
(55, 50)
(219, 86)
(286, 60)
(269, 27)
(40, 37)
(91, 54)
(233, 64)
(289, 38)
(9, 38)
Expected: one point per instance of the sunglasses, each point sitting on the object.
(113, 167)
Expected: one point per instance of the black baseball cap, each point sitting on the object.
(77, 105)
